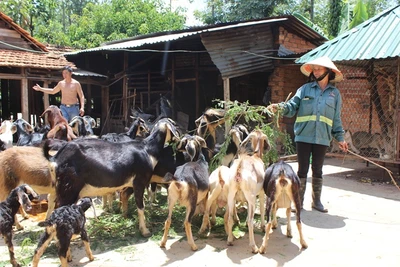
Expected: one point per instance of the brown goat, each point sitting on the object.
(59, 127)
(26, 165)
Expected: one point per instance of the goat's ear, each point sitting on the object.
(182, 143)
(173, 130)
(267, 145)
(53, 131)
(93, 122)
(28, 127)
(197, 122)
(201, 141)
(23, 200)
(13, 129)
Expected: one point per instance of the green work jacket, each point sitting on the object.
(318, 114)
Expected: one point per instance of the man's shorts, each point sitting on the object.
(69, 111)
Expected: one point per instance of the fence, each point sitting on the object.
(370, 111)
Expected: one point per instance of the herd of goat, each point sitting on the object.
(69, 164)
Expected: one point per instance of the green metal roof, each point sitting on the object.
(376, 38)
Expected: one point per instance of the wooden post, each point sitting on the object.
(46, 100)
(173, 86)
(148, 88)
(125, 89)
(24, 96)
(227, 97)
(197, 85)
(105, 96)
(88, 98)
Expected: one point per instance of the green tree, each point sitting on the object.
(119, 19)
(218, 11)
(335, 11)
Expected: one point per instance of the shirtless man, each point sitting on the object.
(69, 88)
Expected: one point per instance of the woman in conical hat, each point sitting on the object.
(318, 105)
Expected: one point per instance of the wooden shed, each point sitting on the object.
(243, 61)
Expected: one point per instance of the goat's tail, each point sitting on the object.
(46, 149)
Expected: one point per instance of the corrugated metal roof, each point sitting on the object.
(241, 51)
(376, 38)
(140, 41)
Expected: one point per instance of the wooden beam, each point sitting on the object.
(24, 97)
(186, 80)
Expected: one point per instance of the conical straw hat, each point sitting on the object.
(324, 61)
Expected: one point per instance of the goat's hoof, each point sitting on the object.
(162, 244)
(146, 233)
(261, 250)
(304, 245)
(91, 258)
(254, 249)
(229, 243)
(194, 247)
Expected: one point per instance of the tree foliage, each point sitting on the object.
(88, 23)
(219, 11)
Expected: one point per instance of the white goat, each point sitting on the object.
(246, 179)
(7, 129)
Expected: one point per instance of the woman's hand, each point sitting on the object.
(343, 146)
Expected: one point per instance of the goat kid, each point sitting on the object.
(246, 179)
(7, 130)
(18, 197)
(281, 185)
(26, 165)
(59, 127)
(64, 223)
(189, 186)
(92, 167)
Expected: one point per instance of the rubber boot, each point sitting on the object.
(302, 190)
(316, 194)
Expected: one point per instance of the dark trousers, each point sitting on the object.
(317, 153)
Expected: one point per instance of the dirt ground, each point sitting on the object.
(362, 228)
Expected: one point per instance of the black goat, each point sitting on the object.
(92, 167)
(63, 223)
(282, 185)
(189, 186)
(138, 128)
(19, 196)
